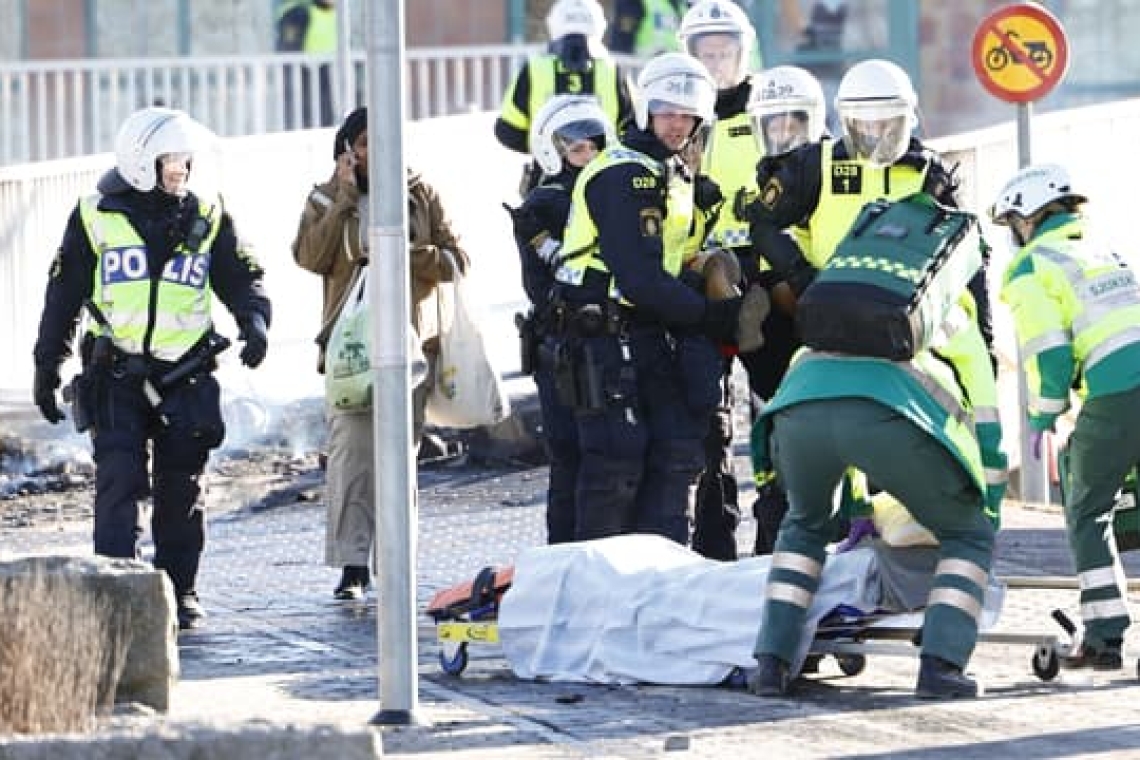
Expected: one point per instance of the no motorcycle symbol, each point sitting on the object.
(1020, 52)
(1037, 51)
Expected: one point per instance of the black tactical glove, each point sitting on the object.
(253, 333)
(707, 194)
(43, 391)
(738, 321)
(720, 319)
(527, 226)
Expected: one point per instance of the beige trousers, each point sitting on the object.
(350, 529)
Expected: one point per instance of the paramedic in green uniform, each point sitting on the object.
(1076, 311)
(835, 411)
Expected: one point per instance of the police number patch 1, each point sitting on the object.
(846, 179)
(651, 222)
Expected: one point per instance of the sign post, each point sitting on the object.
(1020, 53)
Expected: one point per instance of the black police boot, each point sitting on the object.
(1089, 657)
(354, 581)
(190, 611)
(939, 679)
(772, 677)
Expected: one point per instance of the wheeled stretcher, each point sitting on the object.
(468, 613)
(641, 609)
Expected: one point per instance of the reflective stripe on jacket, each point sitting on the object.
(845, 187)
(544, 71)
(1076, 311)
(730, 160)
(580, 247)
(162, 314)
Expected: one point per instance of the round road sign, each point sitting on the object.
(1020, 52)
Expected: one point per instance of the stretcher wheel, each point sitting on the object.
(1046, 663)
(455, 664)
(851, 664)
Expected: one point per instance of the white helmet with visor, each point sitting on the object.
(719, 35)
(787, 109)
(154, 133)
(1032, 189)
(876, 106)
(675, 82)
(564, 121)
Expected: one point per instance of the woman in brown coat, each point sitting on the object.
(332, 241)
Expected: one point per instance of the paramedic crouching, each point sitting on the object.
(835, 411)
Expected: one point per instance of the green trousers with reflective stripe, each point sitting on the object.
(1104, 446)
(812, 444)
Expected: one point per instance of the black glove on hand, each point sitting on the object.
(527, 225)
(707, 194)
(253, 333)
(721, 318)
(43, 391)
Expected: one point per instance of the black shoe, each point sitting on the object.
(811, 664)
(190, 612)
(1090, 658)
(771, 677)
(354, 582)
(939, 679)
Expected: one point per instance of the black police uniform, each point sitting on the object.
(640, 442)
(123, 420)
(538, 223)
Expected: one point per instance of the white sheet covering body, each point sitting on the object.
(641, 608)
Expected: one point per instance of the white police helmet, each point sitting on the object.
(152, 132)
(562, 121)
(724, 19)
(876, 106)
(676, 82)
(584, 17)
(794, 94)
(1031, 189)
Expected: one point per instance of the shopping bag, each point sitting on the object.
(348, 368)
(348, 376)
(467, 391)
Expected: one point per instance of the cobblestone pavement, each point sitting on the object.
(278, 646)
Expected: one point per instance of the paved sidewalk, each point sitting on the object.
(278, 647)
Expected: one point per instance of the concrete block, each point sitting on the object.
(144, 600)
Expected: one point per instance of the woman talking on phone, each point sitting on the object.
(332, 241)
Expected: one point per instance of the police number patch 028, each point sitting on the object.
(651, 222)
(846, 179)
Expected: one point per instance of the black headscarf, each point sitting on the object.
(355, 123)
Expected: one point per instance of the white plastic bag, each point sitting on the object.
(467, 392)
(348, 367)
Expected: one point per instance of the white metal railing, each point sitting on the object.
(59, 109)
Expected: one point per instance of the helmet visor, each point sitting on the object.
(782, 129)
(876, 131)
(722, 53)
(579, 141)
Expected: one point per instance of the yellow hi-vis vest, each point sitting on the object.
(543, 71)
(730, 160)
(581, 240)
(1072, 294)
(178, 301)
(657, 32)
(320, 34)
(845, 187)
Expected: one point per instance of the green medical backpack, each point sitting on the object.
(891, 281)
